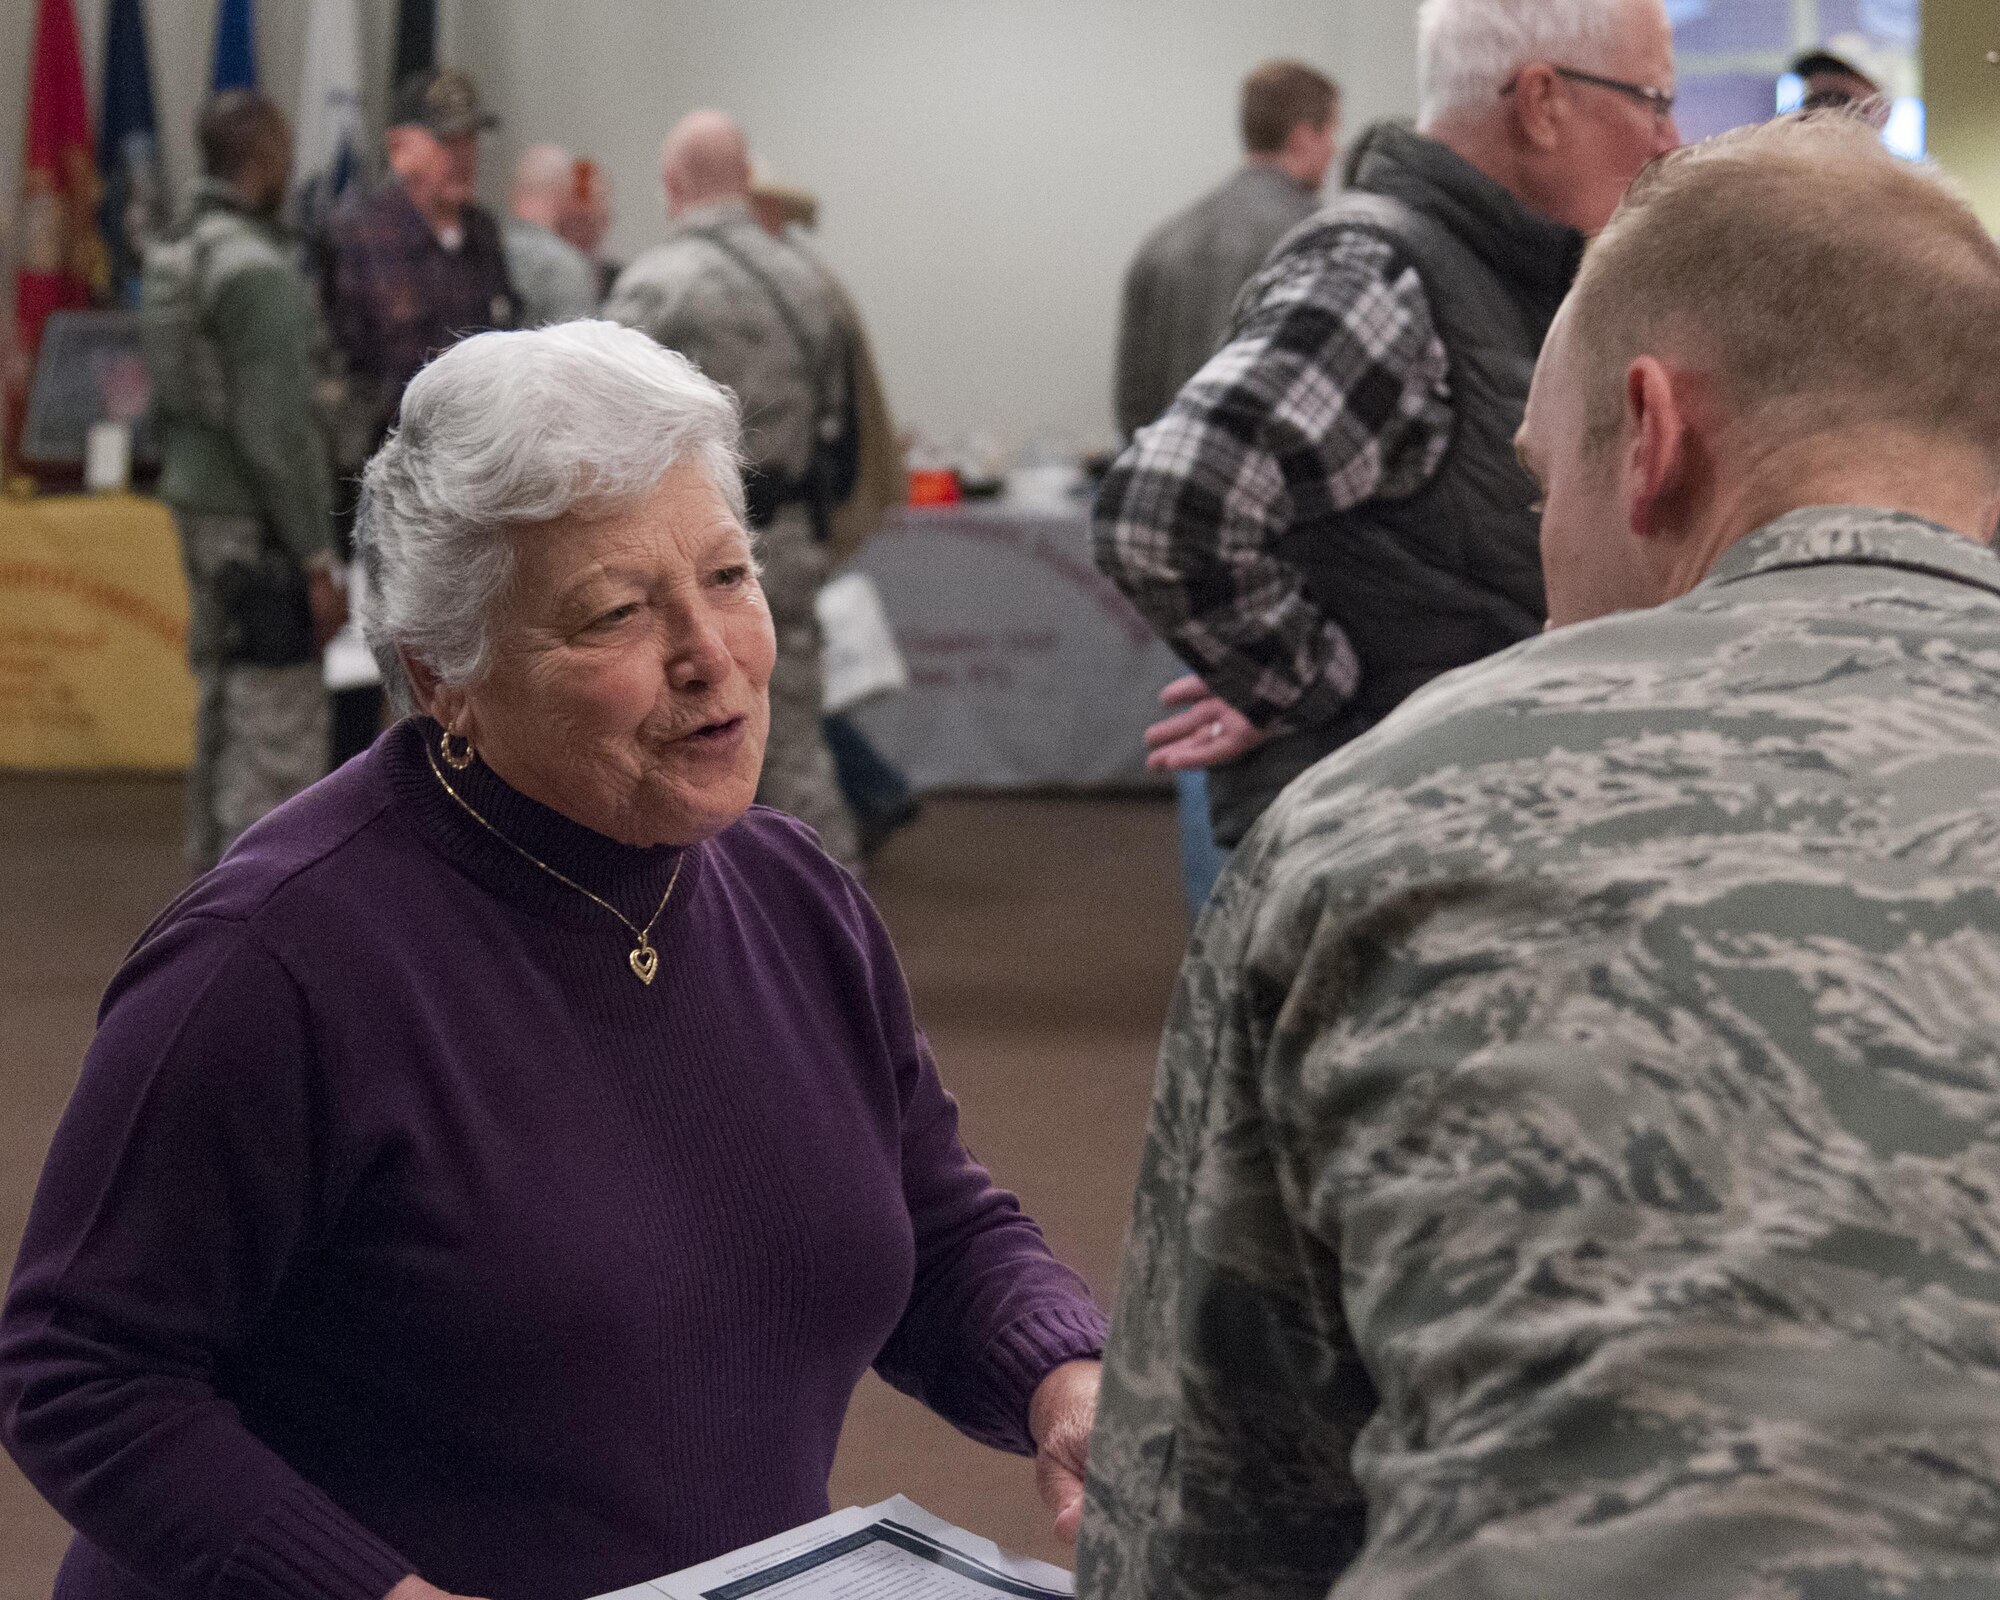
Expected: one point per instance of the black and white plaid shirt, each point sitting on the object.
(1331, 391)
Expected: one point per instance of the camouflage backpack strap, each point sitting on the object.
(831, 472)
(177, 290)
(788, 313)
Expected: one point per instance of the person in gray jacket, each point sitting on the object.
(556, 281)
(1186, 276)
(230, 339)
(755, 315)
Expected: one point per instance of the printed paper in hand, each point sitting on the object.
(892, 1551)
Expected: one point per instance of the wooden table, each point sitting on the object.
(93, 636)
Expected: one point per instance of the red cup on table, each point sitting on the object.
(934, 486)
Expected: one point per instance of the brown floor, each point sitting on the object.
(1040, 937)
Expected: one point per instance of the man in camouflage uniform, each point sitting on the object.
(754, 314)
(245, 471)
(1575, 1169)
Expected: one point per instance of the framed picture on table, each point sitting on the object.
(89, 370)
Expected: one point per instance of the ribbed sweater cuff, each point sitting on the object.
(1023, 1354)
(306, 1548)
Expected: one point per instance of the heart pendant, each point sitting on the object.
(645, 962)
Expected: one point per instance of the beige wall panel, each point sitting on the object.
(1962, 88)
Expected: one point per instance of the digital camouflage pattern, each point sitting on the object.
(799, 776)
(691, 295)
(1573, 1172)
(230, 341)
(261, 734)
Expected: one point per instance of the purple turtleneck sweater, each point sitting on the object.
(396, 1227)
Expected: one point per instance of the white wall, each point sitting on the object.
(985, 166)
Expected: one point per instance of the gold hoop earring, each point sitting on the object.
(461, 760)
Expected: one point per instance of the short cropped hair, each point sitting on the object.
(1468, 51)
(1280, 96)
(234, 129)
(501, 436)
(1826, 283)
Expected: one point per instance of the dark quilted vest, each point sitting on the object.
(1452, 573)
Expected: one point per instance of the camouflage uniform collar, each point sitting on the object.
(214, 194)
(1857, 536)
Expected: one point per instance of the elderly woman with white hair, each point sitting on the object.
(496, 1176)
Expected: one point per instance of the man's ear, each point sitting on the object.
(1537, 114)
(1658, 449)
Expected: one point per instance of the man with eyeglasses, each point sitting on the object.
(1330, 514)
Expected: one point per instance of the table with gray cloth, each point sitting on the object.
(1028, 668)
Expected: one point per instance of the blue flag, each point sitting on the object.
(128, 149)
(235, 47)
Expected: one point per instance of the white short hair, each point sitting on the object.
(1468, 51)
(511, 431)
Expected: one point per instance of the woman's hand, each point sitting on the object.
(1060, 1418)
(414, 1588)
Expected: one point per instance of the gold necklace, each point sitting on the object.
(644, 959)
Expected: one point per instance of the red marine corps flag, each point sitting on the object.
(61, 261)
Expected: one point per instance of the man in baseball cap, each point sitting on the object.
(410, 269)
(417, 265)
(444, 101)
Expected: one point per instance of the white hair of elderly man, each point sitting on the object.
(1468, 51)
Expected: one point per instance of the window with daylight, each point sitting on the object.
(1732, 57)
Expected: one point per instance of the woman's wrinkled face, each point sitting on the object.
(628, 684)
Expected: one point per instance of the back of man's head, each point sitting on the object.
(1280, 96)
(544, 175)
(1824, 283)
(1468, 51)
(239, 132)
(705, 158)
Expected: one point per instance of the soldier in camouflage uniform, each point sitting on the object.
(230, 338)
(1575, 1166)
(755, 315)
